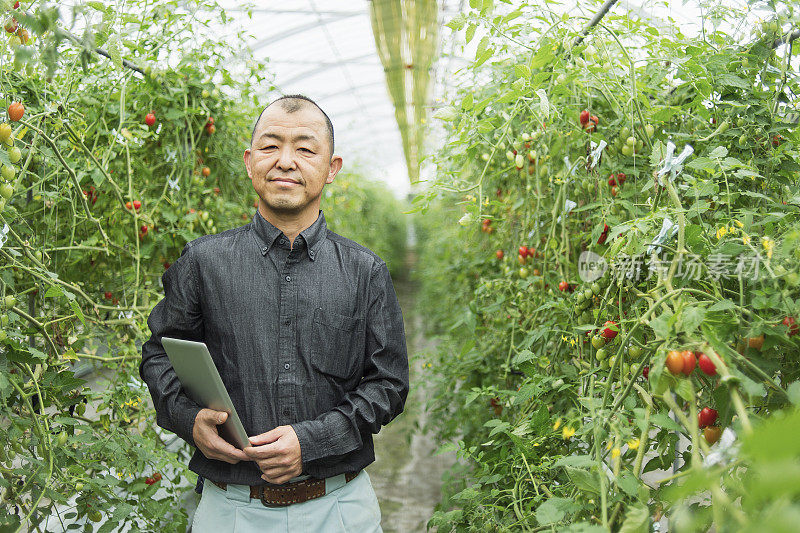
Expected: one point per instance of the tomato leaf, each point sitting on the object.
(636, 519)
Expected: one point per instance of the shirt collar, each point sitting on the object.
(312, 235)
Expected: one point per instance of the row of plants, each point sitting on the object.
(609, 259)
(123, 128)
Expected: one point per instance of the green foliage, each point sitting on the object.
(561, 420)
(80, 263)
(368, 213)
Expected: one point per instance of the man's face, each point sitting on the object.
(289, 161)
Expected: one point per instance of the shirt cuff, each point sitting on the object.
(184, 425)
(331, 434)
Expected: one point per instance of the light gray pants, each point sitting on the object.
(346, 508)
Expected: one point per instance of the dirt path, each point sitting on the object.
(405, 474)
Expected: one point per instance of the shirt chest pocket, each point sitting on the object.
(337, 345)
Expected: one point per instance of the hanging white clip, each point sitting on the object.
(568, 206)
(597, 151)
(4, 234)
(673, 166)
(668, 230)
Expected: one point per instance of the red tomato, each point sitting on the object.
(563, 286)
(789, 322)
(614, 191)
(610, 330)
(646, 372)
(12, 25)
(674, 362)
(15, 111)
(523, 251)
(688, 362)
(584, 118)
(108, 295)
(706, 417)
(499, 254)
(137, 204)
(706, 364)
(621, 178)
(128, 205)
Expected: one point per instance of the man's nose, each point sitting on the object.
(286, 159)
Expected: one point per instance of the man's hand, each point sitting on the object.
(277, 454)
(208, 441)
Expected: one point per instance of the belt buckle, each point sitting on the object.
(267, 504)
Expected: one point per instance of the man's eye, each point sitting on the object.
(270, 147)
(307, 150)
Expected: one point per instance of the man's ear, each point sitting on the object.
(336, 166)
(247, 163)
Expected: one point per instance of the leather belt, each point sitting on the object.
(289, 493)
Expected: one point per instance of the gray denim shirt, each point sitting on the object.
(310, 337)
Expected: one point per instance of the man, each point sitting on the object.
(307, 333)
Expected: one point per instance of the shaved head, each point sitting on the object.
(291, 104)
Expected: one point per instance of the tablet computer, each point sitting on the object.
(200, 379)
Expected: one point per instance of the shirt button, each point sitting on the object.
(288, 278)
(283, 241)
(287, 321)
(311, 253)
(264, 250)
(286, 412)
(286, 366)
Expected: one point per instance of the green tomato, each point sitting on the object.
(639, 144)
(523, 272)
(631, 141)
(8, 172)
(6, 190)
(649, 130)
(624, 133)
(627, 150)
(14, 155)
(79, 486)
(596, 288)
(205, 93)
(10, 302)
(598, 342)
(601, 354)
(634, 352)
(588, 294)
(3, 335)
(4, 319)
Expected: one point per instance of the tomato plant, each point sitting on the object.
(97, 199)
(680, 230)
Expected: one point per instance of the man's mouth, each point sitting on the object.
(285, 180)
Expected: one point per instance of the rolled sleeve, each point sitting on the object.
(382, 392)
(177, 315)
